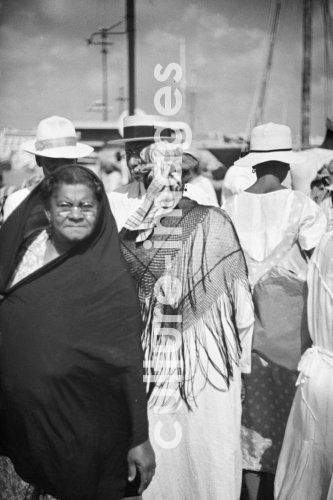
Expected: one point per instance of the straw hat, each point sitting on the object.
(56, 138)
(270, 142)
(138, 128)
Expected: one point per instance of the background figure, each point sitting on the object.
(326, 203)
(114, 172)
(276, 227)
(55, 145)
(306, 460)
(74, 414)
(196, 307)
(303, 173)
(205, 192)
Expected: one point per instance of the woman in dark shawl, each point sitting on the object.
(73, 405)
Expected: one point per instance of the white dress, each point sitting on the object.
(198, 452)
(305, 469)
(125, 200)
(268, 224)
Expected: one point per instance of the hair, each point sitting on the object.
(278, 168)
(317, 182)
(70, 174)
(46, 161)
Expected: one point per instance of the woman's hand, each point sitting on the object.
(141, 458)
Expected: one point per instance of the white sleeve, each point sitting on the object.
(313, 225)
(244, 319)
(13, 201)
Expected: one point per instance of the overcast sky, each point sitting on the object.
(47, 68)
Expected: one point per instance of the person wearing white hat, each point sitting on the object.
(278, 229)
(240, 175)
(55, 145)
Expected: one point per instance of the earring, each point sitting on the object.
(253, 170)
(49, 226)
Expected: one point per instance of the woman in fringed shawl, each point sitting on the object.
(196, 307)
(73, 408)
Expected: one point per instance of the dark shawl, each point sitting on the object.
(72, 395)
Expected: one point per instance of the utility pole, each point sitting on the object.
(306, 73)
(192, 98)
(130, 20)
(100, 37)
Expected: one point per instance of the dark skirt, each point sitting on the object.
(269, 393)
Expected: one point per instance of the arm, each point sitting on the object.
(141, 456)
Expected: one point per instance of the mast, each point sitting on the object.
(306, 73)
(268, 66)
(130, 16)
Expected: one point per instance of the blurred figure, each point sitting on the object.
(318, 190)
(304, 173)
(327, 202)
(112, 169)
(218, 177)
(204, 192)
(55, 145)
(322, 192)
(305, 468)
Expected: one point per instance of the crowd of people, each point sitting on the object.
(157, 343)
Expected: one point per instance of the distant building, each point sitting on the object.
(97, 133)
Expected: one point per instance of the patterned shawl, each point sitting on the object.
(186, 274)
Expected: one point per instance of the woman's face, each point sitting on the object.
(73, 212)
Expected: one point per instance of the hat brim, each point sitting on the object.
(137, 139)
(80, 150)
(252, 159)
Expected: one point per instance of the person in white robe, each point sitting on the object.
(305, 468)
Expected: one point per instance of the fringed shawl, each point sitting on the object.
(186, 274)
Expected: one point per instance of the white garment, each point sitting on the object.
(303, 174)
(111, 181)
(261, 220)
(125, 200)
(198, 453)
(206, 192)
(327, 206)
(32, 259)
(237, 179)
(305, 468)
(13, 201)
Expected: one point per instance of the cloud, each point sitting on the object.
(47, 66)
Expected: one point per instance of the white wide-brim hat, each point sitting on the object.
(56, 138)
(270, 142)
(141, 128)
